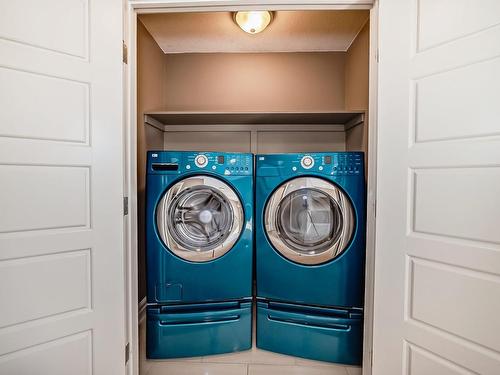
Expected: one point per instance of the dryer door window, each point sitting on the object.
(309, 220)
(200, 218)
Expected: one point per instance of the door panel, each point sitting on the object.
(437, 269)
(44, 118)
(61, 167)
(435, 102)
(423, 362)
(59, 25)
(54, 183)
(76, 350)
(440, 202)
(463, 17)
(448, 310)
(28, 299)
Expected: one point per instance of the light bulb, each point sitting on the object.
(254, 21)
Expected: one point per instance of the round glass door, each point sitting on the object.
(199, 218)
(309, 220)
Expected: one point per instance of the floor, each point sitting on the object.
(250, 362)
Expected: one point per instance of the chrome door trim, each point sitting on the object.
(199, 255)
(335, 193)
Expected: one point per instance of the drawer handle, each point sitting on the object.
(333, 326)
(206, 320)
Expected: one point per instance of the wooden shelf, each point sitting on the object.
(172, 120)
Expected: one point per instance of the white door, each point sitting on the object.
(437, 276)
(61, 224)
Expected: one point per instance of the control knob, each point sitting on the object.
(201, 161)
(307, 162)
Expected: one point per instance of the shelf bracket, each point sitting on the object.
(358, 120)
(154, 123)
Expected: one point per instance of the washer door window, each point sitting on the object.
(199, 218)
(309, 220)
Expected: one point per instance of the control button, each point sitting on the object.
(201, 161)
(307, 162)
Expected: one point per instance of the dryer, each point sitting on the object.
(199, 241)
(310, 254)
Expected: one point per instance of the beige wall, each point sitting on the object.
(356, 71)
(150, 70)
(255, 82)
(356, 88)
(224, 141)
(262, 82)
(278, 141)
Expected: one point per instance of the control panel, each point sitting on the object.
(223, 163)
(332, 163)
(338, 163)
(175, 162)
(335, 163)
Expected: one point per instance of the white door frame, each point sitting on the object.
(135, 7)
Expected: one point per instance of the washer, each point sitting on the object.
(310, 254)
(199, 209)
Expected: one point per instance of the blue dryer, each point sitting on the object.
(310, 254)
(199, 209)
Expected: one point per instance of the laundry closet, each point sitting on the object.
(399, 97)
(299, 87)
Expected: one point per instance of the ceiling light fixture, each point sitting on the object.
(253, 22)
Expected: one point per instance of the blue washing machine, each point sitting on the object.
(199, 209)
(310, 254)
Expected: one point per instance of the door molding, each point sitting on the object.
(135, 7)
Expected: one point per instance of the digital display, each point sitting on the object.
(328, 160)
(165, 167)
(220, 159)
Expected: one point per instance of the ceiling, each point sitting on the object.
(290, 31)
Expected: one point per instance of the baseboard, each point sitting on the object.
(142, 310)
